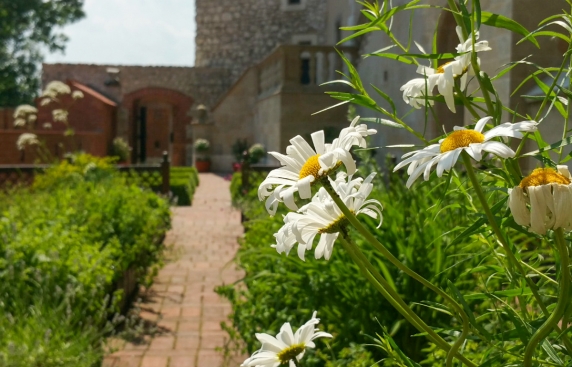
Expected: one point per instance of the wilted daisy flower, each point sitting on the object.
(303, 165)
(60, 115)
(286, 346)
(26, 139)
(444, 76)
(55, 88)
(543, 200)
(77, 94)
(322, 216)
(474, 142)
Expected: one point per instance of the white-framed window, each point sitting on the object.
(288, 5)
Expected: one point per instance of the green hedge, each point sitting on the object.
(183, 182)
(279, 288)
(65, 243)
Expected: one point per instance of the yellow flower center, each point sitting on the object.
(311, 167)
(543, 176)
(290, 353)
(336, 226)
(441, 69)
(461, 139)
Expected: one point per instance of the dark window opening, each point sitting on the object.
(294, 2)
(305, 76)
(142, 134)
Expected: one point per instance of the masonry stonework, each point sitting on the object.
(235, 35)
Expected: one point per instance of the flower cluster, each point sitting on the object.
(304, 166)
(416, 90)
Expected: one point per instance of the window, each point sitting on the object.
(288, 5)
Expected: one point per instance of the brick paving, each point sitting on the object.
(182, 303)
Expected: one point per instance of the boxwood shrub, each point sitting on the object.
(65, 244)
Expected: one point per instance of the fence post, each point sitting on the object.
(245, 168)
(165, 173)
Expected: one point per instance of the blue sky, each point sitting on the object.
(137, 32)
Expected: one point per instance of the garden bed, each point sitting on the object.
(74, 247)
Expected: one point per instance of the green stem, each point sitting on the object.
(496, 229)
(296, 362)
(396, 301)
(467, 103)
(563, 300)
(385, 252)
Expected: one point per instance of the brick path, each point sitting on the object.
(182, 303)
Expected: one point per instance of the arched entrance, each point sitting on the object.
(157, 123)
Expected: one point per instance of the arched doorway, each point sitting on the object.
(157, 122)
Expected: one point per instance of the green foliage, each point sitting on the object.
(184, 181)
(282, 288)
(28, 26)
(120, 149)
(66, 242)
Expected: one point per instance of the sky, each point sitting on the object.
(135, 32)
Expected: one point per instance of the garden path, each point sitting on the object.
(181, 303)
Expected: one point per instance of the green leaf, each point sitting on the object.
(500, 21)
(386, 97)
(399, 58)
(506, 293)
(561, 143)
(381, 121)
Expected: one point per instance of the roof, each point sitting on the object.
(87, 90)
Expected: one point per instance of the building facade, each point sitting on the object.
(258, 69)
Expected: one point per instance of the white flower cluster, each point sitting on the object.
(24, 115)
(303, 167)
(416, 90)
(26, 139)
(55, 88)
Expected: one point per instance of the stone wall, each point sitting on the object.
(236, 34)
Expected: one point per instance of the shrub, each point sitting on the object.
(183, 182)
(65, 243)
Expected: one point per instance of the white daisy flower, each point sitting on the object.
(474, 142)
(543, 200)
(26, 139)
(286, 346)
(444, 76)
(322, 216)
(303, 165)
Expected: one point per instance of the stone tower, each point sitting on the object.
(236, 34)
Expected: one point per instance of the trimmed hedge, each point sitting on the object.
(184, 181)
(66, 243)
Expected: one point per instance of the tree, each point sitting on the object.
(26, 26)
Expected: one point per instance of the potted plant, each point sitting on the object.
(239, 148)
(256, 152)
(202, 161)
(121, 150)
